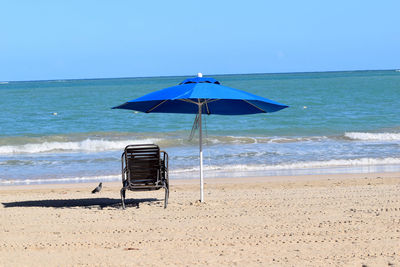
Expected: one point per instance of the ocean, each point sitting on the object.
(64, 131)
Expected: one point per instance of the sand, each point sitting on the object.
(338, 220)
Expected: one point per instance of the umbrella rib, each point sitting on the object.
(197, 103)
(156, 106)
(200, 103)
(212, 100)
(189, 101)
(254, 106)
(208, 110)
(207, 102)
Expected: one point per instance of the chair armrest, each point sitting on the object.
(123, 169)
(164, 159)
(164, 167)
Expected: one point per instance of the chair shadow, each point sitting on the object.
(83, 203)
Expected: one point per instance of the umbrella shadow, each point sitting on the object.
(80, 203)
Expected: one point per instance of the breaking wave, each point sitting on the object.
(373, 136)
(56, 144)
(110, 142)
(87, 145)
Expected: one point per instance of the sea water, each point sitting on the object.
(65, 130)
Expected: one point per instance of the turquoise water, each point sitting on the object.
(65, 130)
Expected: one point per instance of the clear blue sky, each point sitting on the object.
(100, 39)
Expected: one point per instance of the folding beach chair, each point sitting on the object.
(144, 167)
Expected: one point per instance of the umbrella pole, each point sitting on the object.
(201, 157)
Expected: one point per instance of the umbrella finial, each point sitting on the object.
(199, 74)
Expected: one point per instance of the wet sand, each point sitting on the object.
(341, 219)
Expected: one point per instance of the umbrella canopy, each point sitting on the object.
(207, 92)
(202, 96)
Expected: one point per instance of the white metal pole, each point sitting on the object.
(201, 157)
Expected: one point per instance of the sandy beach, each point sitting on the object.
(339, 220)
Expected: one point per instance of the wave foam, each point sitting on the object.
(98, 145)
(259, 140)
(81, 179)
(373, 136)
(298, 165)
(222, 168)
(87, 145)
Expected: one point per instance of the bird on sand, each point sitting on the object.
(98, 188)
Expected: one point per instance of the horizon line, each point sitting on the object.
(164, 76)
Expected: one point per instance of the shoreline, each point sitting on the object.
(214, 180)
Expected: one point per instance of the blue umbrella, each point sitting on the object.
(202, 96)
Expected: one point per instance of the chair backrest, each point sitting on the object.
(143, 164)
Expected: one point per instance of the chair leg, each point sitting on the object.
(123, 197)
(166, 195)
(166, 198)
